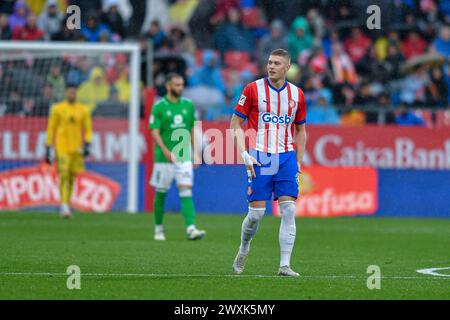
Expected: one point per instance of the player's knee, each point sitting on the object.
(287, 210)
(256, 214)
(185, 192)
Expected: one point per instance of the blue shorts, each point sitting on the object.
(277, 174)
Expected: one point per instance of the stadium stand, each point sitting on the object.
(332, 55)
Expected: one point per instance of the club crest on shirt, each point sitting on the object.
(291, 103)
(242, 100)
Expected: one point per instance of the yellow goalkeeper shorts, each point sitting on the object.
(70, 163)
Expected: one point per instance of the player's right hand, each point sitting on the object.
(170, 156)
(48, 155)
(249, 163)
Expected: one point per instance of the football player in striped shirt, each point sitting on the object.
(276, 112)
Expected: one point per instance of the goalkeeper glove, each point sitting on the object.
(87, 150)
(48, 155)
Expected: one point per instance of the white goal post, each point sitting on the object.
(131, 50)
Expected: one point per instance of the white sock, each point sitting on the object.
(65, 207)
(249, 228)
(190, 228)
(159, 228)
(287, 231)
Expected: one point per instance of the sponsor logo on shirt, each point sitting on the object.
(272, 118)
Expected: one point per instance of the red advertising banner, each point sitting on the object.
(369, 146)
(38, 186)
(392, 147)
(331, 192)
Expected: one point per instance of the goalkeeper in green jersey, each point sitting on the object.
(172, 128)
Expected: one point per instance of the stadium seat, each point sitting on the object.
(426, 116)
(250, 66)
(442, 119)
(236, 59)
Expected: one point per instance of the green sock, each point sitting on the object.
(187, 207)
(158, 207)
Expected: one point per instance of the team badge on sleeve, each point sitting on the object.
(242, 100)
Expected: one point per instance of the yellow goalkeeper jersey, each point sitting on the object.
(66, 126)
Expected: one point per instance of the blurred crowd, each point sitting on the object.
(348, 72)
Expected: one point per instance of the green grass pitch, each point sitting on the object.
(119, 259)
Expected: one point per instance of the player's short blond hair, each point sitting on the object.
(281, 53)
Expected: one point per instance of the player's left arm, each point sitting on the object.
(87, 126)
(300, 141)
(300, 129)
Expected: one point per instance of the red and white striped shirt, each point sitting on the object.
(271, 114)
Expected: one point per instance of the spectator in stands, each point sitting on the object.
(209, 74)
(155, 10)
(222, 10)
(317, 24)
(14, 102)
(181, 11)
(442, 43)
(357, 45)
(19, 17)
(300, 38)
(93, 29)
(123, 87)
(331, 37)
(437, 89)
(407, 117)
(94, 90)
(43, 102)
(322, 113)
(430, 19)
(206, 85)
(183, 43)
(233, 36)
(5, 30)
(393, 61)
(38, 6)
(414, 86)
(200, 24)
(65, 34)
(113, 19)
(372, 68)
(80, 72)
(342, 66)
(364, 96)
(105, 36)
(112, 107)
(156, 35)
(30, 31)
(271, 41)
(50, 20)
(57, 81)
(414, 45)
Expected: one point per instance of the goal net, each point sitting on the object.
(33, 76)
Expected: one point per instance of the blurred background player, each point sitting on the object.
(70, 129)
(274, 108)
(172, 129)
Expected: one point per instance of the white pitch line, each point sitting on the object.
(432, 272)
(157, 275)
